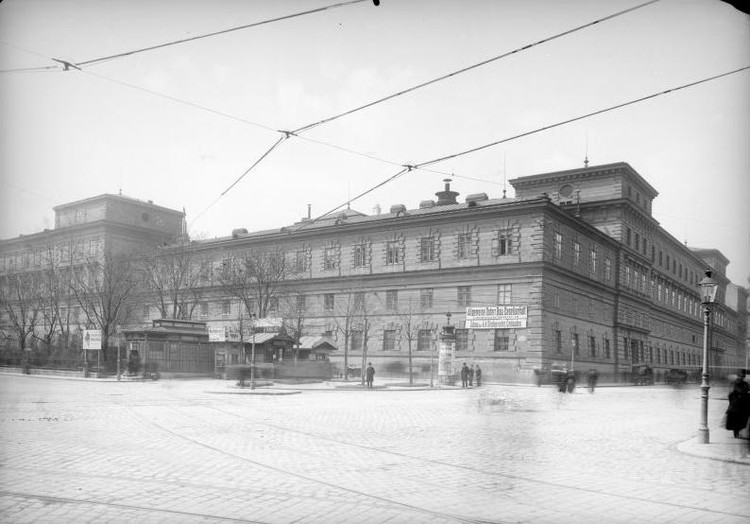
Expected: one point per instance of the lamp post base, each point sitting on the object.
(703, 436)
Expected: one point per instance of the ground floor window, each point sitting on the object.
(462, 340)
(502, 339)
(423, 340)
(389, 340)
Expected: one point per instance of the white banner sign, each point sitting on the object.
(217, 334)
(496, 317)
(92, 339)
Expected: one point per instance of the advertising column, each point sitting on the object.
(445, 355)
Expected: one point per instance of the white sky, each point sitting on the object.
(71, 135)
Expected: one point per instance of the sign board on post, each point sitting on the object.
(496, 317)
(92, 339)
(217, 333)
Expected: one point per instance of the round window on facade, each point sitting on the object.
(566, 191)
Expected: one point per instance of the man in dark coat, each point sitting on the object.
(465, 376)
(738, 411)
(478, 373)
(369, 374)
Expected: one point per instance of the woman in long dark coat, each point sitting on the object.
(739, 407)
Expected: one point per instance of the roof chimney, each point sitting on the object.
(446, 197)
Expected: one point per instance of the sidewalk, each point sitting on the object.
(721, 446)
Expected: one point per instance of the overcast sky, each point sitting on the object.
(69, 135)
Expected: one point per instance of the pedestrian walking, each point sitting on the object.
(571, 381)
(478, 372)
(593, 377)
(471, 376)
(738, 412)
(464, 376)
(369, 374)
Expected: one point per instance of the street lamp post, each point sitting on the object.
(252, 351)
(708, 294)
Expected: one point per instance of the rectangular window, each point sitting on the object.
(392, 253)
(391, 299)
(503, 245)
(464, 296)
(301, 303)
(328, 302)
(502, 340)
(359, 301)
(360, 255)
(427, 249)
(592, 346)
(576, 344)
(389, 340)
(356, 340)
(203, 309)
(147, 312)
(637, 242)
(300, 261)
(558, 341)
(592, 264)
(329, 258)
(424, 339)
(462, 340)
(503, 293)
(463, 249)
(576, 253)
(607, 349)
(607, 269)
(425, 298)
(558, 245)
(273, 305)
(628, 233)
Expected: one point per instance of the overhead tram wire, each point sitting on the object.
(581, 117)
(470, 67)
(420, 166)
(94, 61)
(308, 127)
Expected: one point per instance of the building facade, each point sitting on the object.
(587, 274)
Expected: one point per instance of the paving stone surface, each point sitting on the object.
(175, 451)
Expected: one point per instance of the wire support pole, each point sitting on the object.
(473, 66)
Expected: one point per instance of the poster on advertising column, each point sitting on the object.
(445, 359)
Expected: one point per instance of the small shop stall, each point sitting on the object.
(169, 346)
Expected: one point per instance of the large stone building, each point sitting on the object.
(572, 271)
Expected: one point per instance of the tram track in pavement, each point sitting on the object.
(330, 485)
(471, 469)
(121, 506)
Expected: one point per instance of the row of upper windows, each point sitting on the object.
(78, 250)
(660, 258)
(394, 251)
(358, 301)
(593, 258)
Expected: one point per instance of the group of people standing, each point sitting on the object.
(468, 374)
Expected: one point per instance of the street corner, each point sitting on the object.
(720, 447)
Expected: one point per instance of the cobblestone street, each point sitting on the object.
(176, 451)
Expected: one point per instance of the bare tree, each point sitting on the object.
(349, 316)
(19, 298)
(174, 278)
(412, 319)
(254, 279)
(103, 289)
